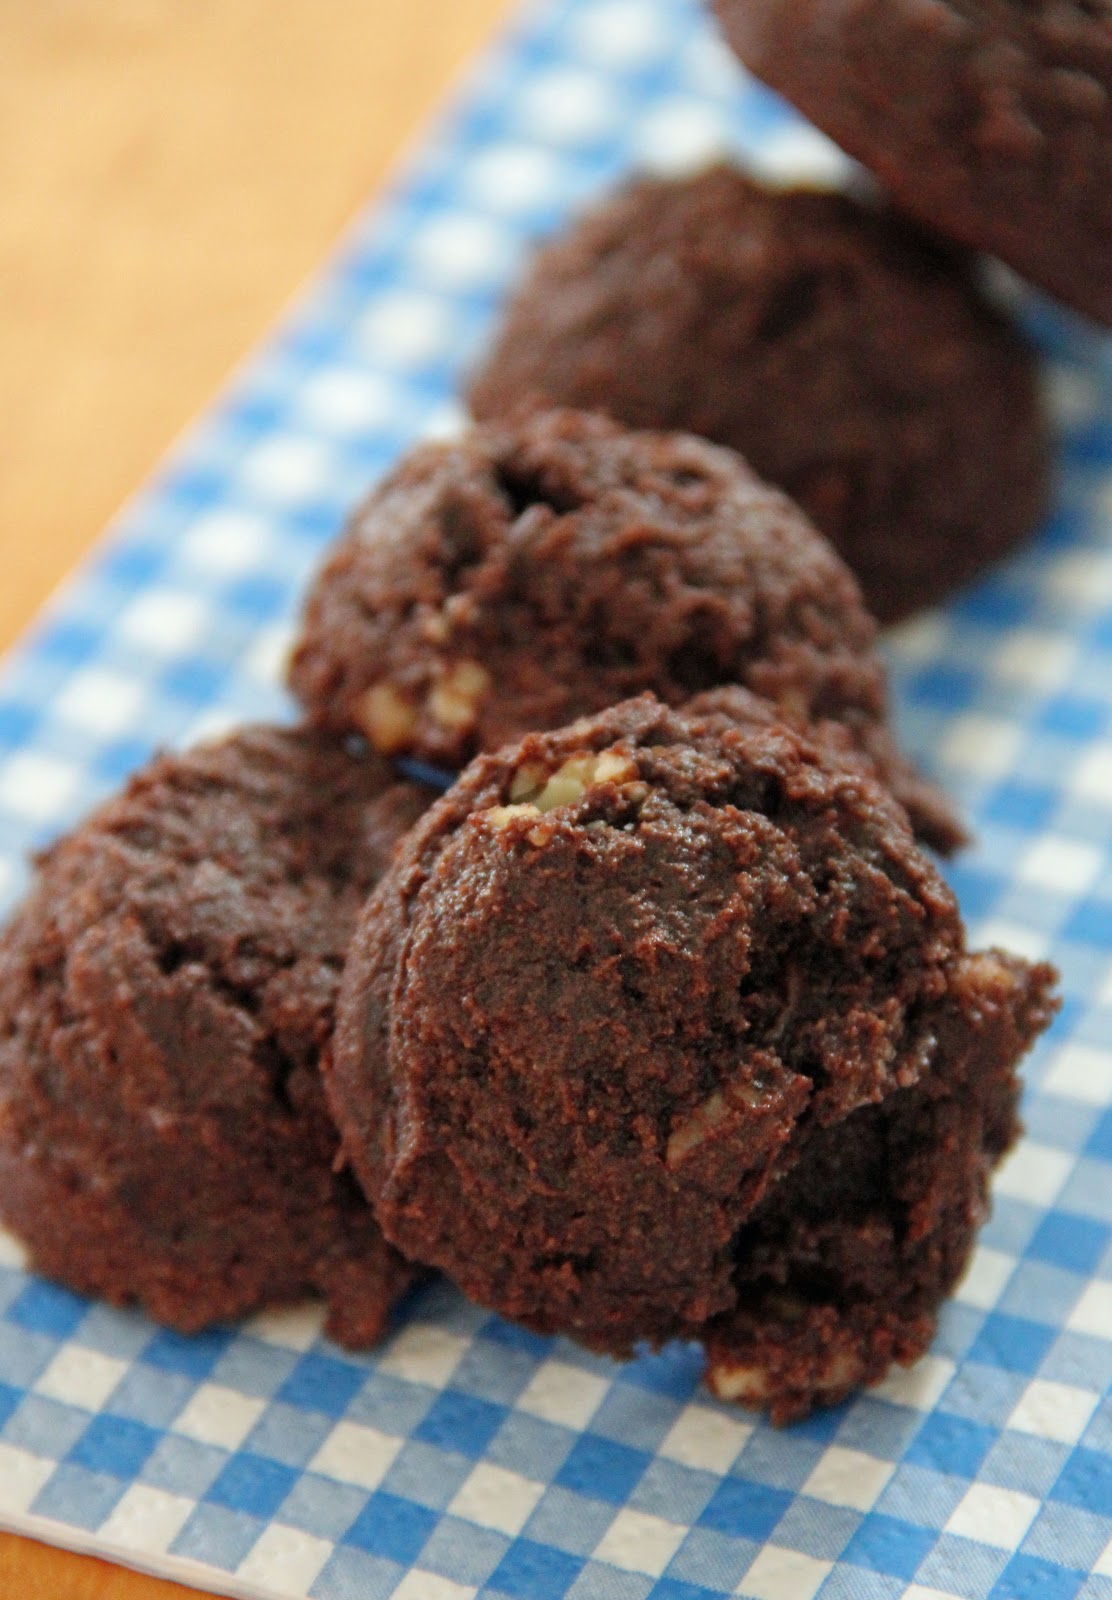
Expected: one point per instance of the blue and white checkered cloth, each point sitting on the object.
(466, 1455)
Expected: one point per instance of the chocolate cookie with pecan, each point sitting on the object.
(852, 359)
(619, 984)
(166, 991)
(548, 566)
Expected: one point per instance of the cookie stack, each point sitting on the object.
(659, 1022)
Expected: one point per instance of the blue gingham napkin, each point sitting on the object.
(466, 1455)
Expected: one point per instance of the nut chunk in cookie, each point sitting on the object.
(545, 568)
(166, 991)
(616, 981)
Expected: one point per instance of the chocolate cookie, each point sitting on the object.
(840, 1272)
(615, 984)
(848, 357)
(166, 991)
(987, 119)
(549, 566)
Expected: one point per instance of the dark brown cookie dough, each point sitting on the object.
(549, 566)
(848, 357)
(988, 119)
(165, 993)
(841, 1271)
(615, 982)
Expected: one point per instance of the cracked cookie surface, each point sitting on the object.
(841, 1272)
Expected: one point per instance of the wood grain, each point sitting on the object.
(171, 172)
(31, 1571)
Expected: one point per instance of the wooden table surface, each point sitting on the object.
(171, 173)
